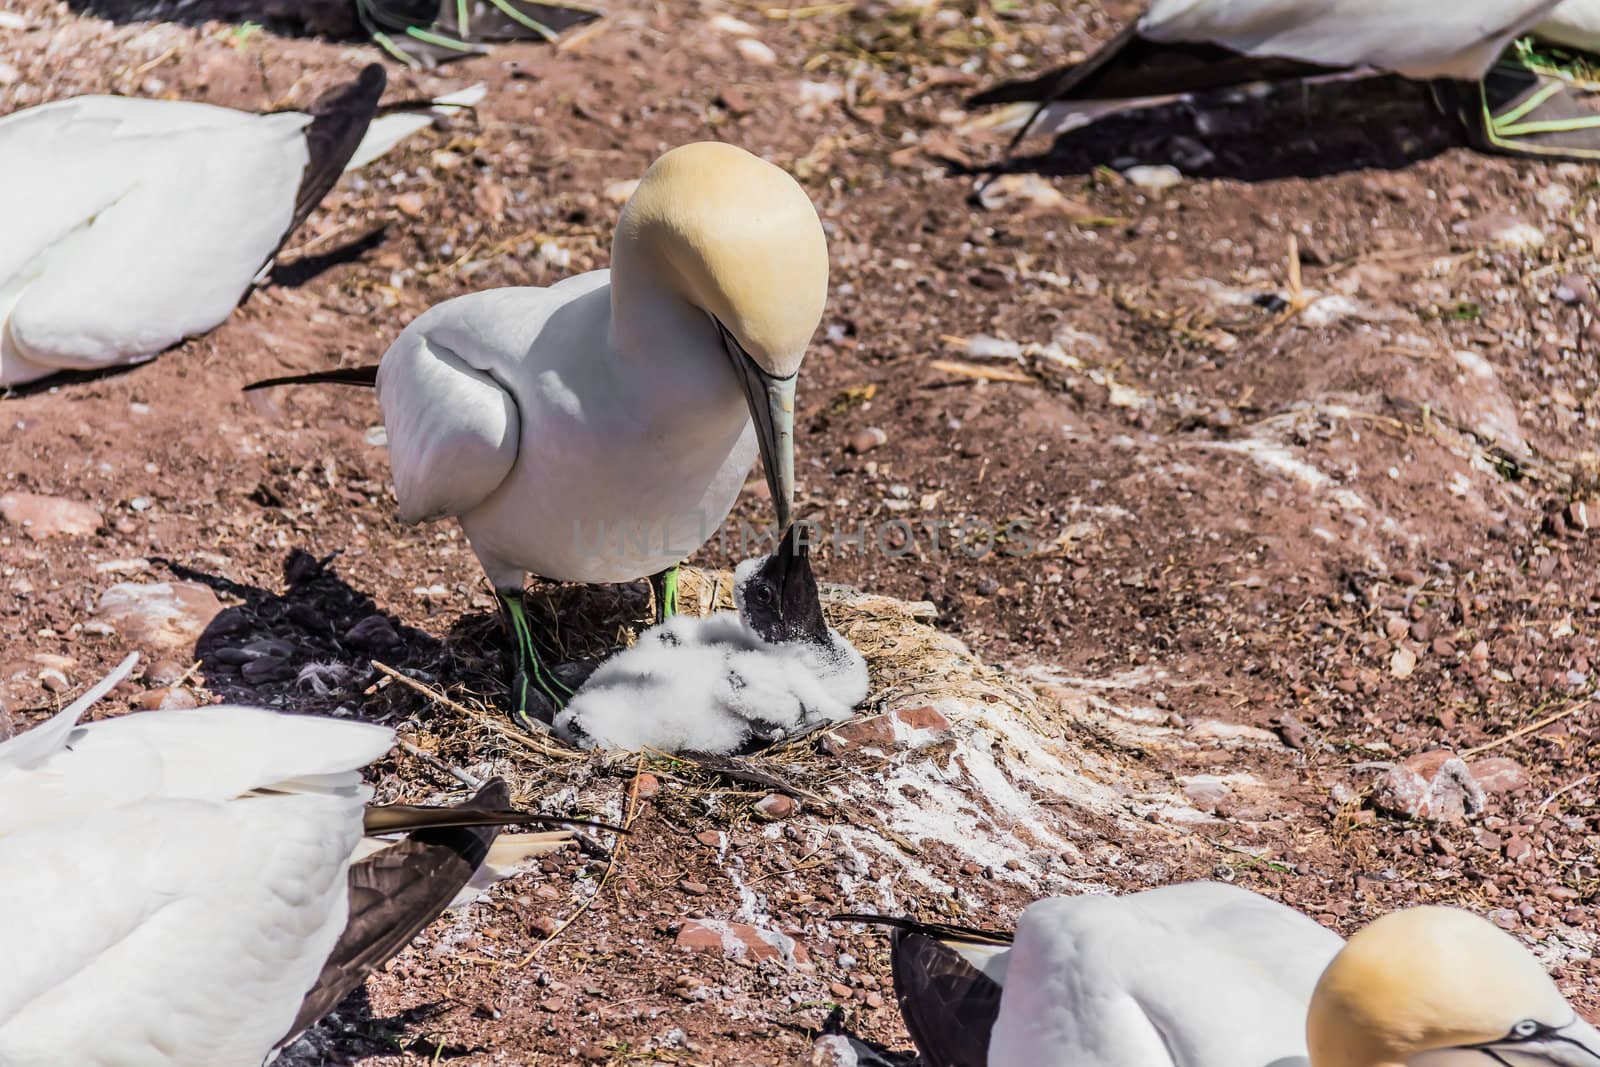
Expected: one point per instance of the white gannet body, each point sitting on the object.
(133, 224)
(1418, 40)
(723, 682)
(1210, 975)
(1182, 47)
(600, 430)
(159, 916)
(179, 884)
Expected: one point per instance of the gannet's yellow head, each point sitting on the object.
(1439, 987)
(738, 237)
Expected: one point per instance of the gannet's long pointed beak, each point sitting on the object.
(771, 403)
(1575, 1045)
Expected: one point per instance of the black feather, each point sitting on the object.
(1130, 66)
(404, 818)
(367, 376)
(339, 120)
(971, 935)
(949, 1006)
(394, 894)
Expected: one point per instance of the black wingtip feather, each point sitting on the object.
(339, 120)
(972, 935)
(949, 1006)
(362, 376)
(393, 895)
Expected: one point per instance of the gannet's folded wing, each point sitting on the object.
(453, 427)
(191, 928)
(142, 226)
(211, 753)
(1574, 23)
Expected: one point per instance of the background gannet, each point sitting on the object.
(724, 682)
(1187, 46)
(1209, 975)
(1573, 24)
(191, 888)
(600, 430)
(133, 224)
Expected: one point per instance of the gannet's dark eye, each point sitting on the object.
(1526, 1029)
(760, 594)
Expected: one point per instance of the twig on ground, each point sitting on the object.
(616, 857)
(461, 709)
(467, 779)
(1524, 731)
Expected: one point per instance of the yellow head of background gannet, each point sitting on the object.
(1422, 986)
(736, 237)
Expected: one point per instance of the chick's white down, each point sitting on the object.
(711, 684)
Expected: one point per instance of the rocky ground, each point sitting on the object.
(1298, 585)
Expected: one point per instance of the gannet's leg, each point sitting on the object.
(1527, 107)
(665, 587)
(536, 693)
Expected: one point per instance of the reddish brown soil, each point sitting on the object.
(1401, 497)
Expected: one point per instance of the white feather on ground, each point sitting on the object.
(711, 684)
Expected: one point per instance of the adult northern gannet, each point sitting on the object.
(133, 224)
(1210, 975)
(600, 430)
(1186, 46)
(193, 888)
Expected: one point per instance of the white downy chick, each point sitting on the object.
(726, 682)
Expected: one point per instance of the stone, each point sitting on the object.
(1154, 179)
(49, 516)
(709, 838)
(158, 614)
(1206, 791)
(740, 941)
(1402, 663)
(164, 672)
(646, 785)
(179, 697)
(1504, 231)
(754, 52)
(619, 192)
(868, 439)
(694, 889)
(775, 806)
(1498, 775)
(901, 728)
(1435, 786)
(373, 634)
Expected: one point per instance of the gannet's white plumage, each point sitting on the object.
(714, 684)
(1197, 975)
(1574, 24)
(1210, 975)
(131, 224)
(600, 429)
(190, 888)
(157, 917)
(1419, 40)
(1176, 48)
